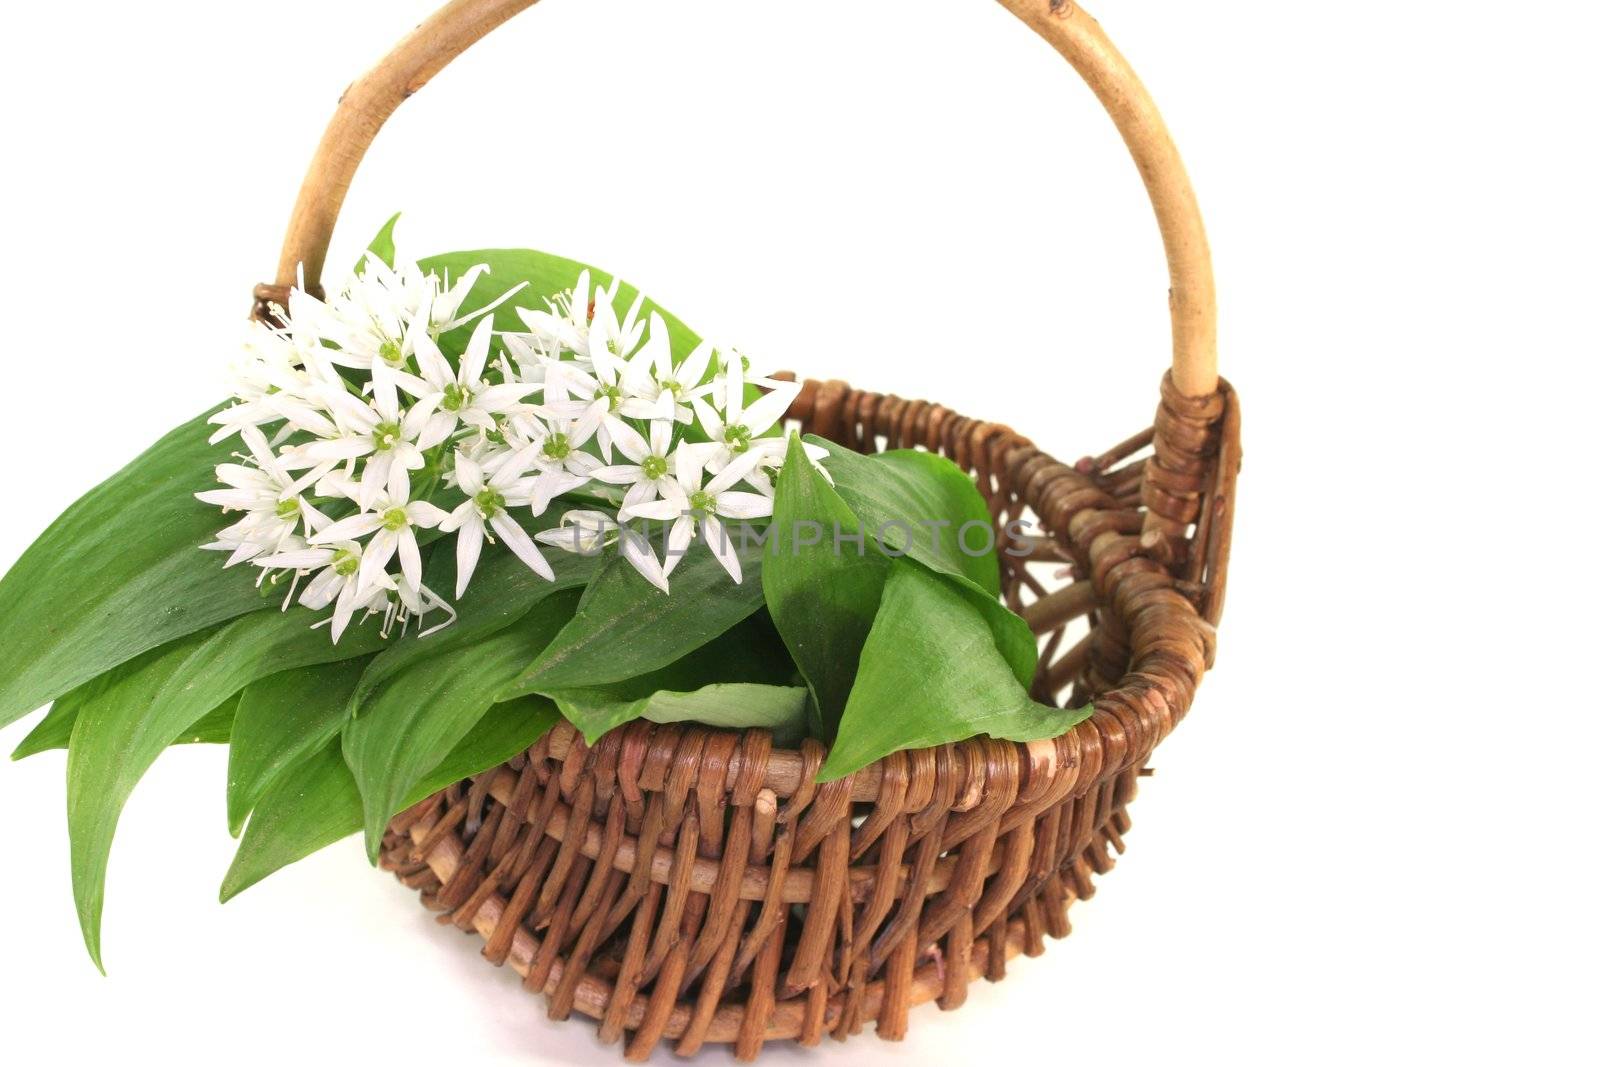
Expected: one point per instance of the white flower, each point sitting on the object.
(601, 398)
(462, 396)
(689, 502)
(734, 434)
(389, 437)
(582, 532)
(392, 524)
(649, 473)
(747, 375)
(485, 508)
(271, 497)
(664, 391)
(338, 581)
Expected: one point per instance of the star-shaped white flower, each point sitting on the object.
(391, 438)
(489, 498)
(392, 524)
(664, 391)
(691, 503)
(738, 428)
(462, 396)
(337, 580)
(648, 474)
(273, 501)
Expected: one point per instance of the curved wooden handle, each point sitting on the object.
(368, 103)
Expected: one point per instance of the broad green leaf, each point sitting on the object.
(54, 731)
(930, 674)
(415, 718)
(282, 719)
(128, 715)
(118, 574)
(215, 728)
(316, 802)
(383, 244)
(625, 627)
(748, 663)
(546, 276)
(916, 503)
(504, 731)
(901, 498)
(309, 806)
(503, 590)
(822, 591)
(735, 705)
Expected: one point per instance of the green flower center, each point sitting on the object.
(611, 394)
(288, 509)
(395, 520)
(455, 397)
(557, 447)
(737, 438)
(390, 353)
(654, 467)
(386, 435)
(490, 503)
(702, 502)
(346, 563)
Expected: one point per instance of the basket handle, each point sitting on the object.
(369, 102)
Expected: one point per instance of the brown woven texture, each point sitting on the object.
(690, 885)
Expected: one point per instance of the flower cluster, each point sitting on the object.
(355, 422)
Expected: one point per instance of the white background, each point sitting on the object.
(1374, 835)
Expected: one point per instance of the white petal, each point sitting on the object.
(764, 413)
(411, 557)
(721, 546)
(350, 529)
(678, 542)
(469, 546)
(743, 505)
(517, 539)
(637, 551)
(628, 440)
(468, 475)
(661, 510)
(618, 475)
(476, 356)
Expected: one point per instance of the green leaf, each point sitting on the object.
(734, 705)
(931, 674)
(503, 591)
(128, 715)
(415, 718)
(545, 275)
(118, 574)
(383, 244)
(505, 730)
(316, 802)
(54, 731)
(309, 806)
(215, 728)
(896, 495)
(282, 719)
(625, 627)
(823, 596)
(748, 663)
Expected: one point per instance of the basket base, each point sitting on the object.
(652, 953)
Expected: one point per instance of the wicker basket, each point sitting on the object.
(691, 884)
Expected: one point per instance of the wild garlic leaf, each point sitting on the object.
(316, 802)
(822, 590)
(625, 627)
(382, 245)
(892, 493)
(54, 731)
(420, 713)
(504, 590)
(744, 678)
(282, 719)
(118, 574)
(930, 675)
(545, 275)
(128, 715)
(731, 705)
(917, 503)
